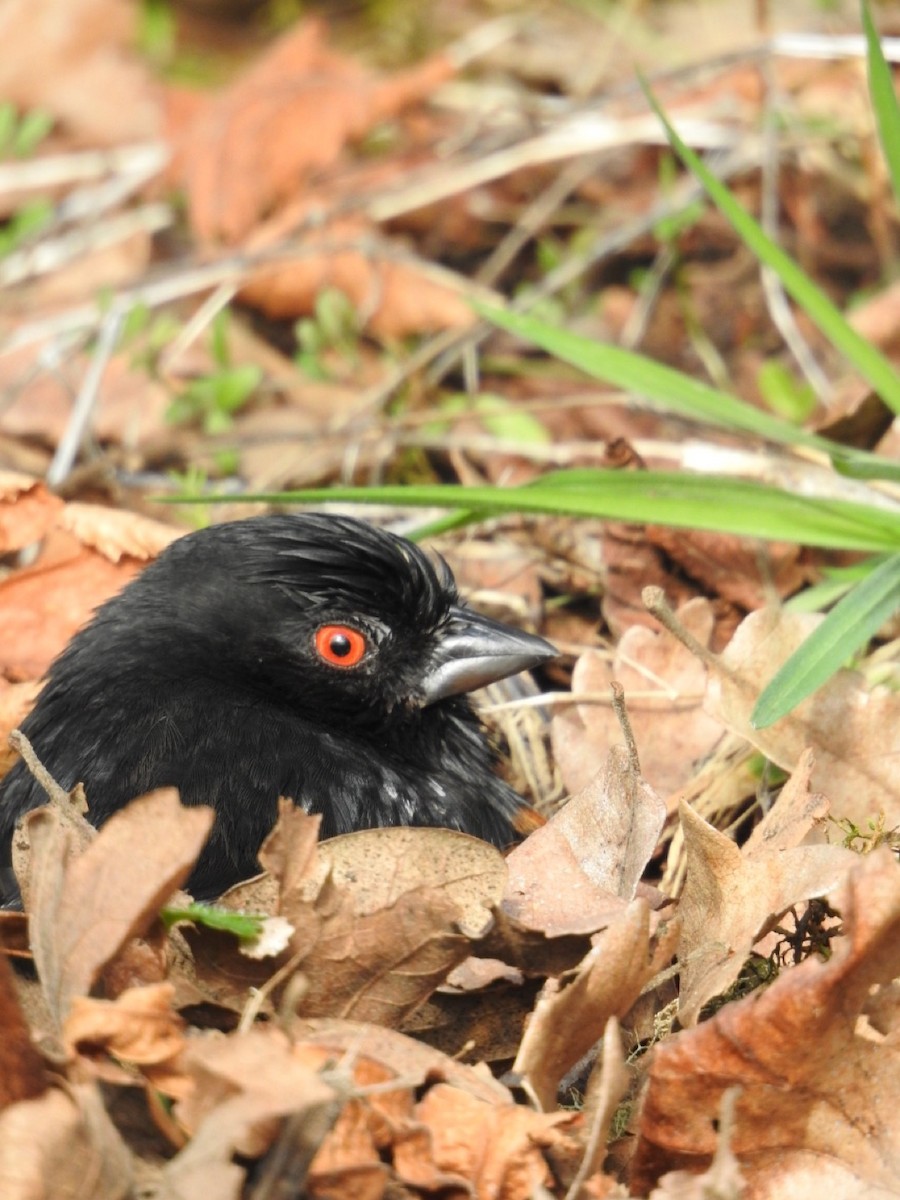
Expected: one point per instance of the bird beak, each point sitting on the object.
(473, 651)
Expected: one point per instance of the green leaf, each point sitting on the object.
(9, 120)
(849, 625)
(783, 393)
(234, 387)
(884, 100)
(242, 925)
(219, 339)
(508, 422)
(33, 128)
(869, 361)
(660, 497)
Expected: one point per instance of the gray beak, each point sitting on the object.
(473, 651)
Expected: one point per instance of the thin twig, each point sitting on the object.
(654, 600)
(73, 436)
(57, 794)
(53, 170)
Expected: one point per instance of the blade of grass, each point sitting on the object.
(877, 369)
(884, 100)
(657, 497)
(847, 627)
(664, 385)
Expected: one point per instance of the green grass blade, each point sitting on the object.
(869, 361)
(884, 100)
(667, 387)
(847, 627)
(658, 497)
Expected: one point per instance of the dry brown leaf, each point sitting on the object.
(731, 896)
(290, 854)
(291, 114)
(599, 844)
(394, 295)
(396, 911)
(244, 1086)
(62, 1146)
(406, 1058)
(379, 966)
(130, 407)
(380, 917)
(733, 567)
(722, 1180)
(382, 865)
(23, 1074)
(670, 728)
(89, 554)
(115, 533)
(138, 1027)
(27, 510)
(631, 563)
(89, 77)
(496, 1148)
(854, 733)
(572, 1012)
(486, 1026)
(607, 1086)
(350, 1160)
(44, 605)
(84, 909)
(16, 702)
(820, 1091)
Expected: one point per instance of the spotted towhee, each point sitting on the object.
(309, 656)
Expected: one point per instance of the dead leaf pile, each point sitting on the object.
(316, 1065)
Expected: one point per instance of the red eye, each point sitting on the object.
(340, 646)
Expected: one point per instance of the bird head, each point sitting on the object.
(326, 615)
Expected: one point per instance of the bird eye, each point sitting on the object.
(340, 646)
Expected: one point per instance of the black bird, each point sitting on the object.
(310, 656)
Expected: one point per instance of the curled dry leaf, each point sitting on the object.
(854, 733)
(27, 510)
(670, 728)
(407, 1058)
(732, 567)
(138, 1027)
(84, 909)
(116, 533)
(345, 1136)
(88, 555)
(289, 855)
(243, 1087)
(497, 1149)
(732, 896)
(572, 1012)
(607, 1086)
(599, 843)
(62, 1145)
(806, 1064)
